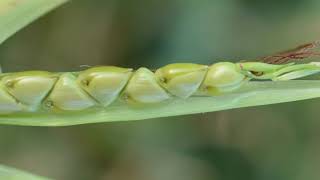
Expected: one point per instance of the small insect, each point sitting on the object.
(99, 87)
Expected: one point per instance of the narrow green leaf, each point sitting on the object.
(252, 94)
(8, 173)
(16, 14)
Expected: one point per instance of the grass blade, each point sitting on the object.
(14, 174)
(16, 14)
(252, 94)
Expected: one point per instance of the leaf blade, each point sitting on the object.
(15, 174)
(16, 14)
(252, 94)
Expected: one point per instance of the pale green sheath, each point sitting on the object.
(98, 88)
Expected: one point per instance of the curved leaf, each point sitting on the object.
(9, 173)
(252, 94)
(15, 14)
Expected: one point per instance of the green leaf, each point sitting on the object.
(16, 14)
(8, 173)
(252, 94)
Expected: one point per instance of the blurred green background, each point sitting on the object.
(278, 142)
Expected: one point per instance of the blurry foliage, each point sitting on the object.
(274, 8)
(278, 142)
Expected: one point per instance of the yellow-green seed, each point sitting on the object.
(104, 83)
(7, 103)
(222, 77)
(29, 87)
(181, 79)
(143, 87)
(67, 95)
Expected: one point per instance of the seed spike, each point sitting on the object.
(99, 87)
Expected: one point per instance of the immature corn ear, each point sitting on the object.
(181, 79)
(222, 77)
(104, 83)
(29, 87)
(67, 95)
(143, 87)
(24, 92)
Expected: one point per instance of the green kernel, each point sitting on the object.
(67, 95)
(30, 87)
(222, 77)
(7, 103)
(104, 83)
(181, 79)
(143, 87)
